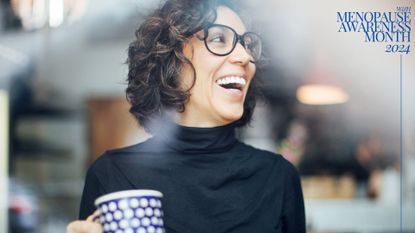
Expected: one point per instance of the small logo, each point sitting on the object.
(392, 28)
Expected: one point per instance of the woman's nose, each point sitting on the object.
(240, 55)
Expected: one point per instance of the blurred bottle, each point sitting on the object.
(22, 209)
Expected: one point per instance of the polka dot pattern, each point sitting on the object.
(132, 215)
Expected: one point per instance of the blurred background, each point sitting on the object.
(62, 104)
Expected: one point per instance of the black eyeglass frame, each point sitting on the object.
(239, 38)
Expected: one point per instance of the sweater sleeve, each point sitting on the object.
(92, 190)
(293, 206)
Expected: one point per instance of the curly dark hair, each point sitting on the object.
(155, 60)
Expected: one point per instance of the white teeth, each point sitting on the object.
(231, 79)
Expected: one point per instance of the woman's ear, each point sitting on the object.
(188, 49)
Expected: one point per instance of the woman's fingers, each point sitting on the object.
(90, 225)
(93, 217)
(83, 227)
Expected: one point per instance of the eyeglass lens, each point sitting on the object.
(221, 40)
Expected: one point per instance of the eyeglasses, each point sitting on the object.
(221, 40)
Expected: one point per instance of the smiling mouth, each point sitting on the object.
(233, 83)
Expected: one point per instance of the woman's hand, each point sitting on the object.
(90, 225)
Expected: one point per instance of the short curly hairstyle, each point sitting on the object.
(155, 60)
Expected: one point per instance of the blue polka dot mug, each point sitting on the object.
(131, 211)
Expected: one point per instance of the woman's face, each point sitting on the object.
(211, 104)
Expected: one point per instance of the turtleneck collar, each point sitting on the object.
(194, 140)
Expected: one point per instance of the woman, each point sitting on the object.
(191, 83)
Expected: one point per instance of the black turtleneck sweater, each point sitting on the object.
(211, 182)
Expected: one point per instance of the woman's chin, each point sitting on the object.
(231, 116)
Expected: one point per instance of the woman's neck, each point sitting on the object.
(196, 140)
(199, 122)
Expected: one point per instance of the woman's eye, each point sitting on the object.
(217, 39)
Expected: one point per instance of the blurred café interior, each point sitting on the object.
(62, 104)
